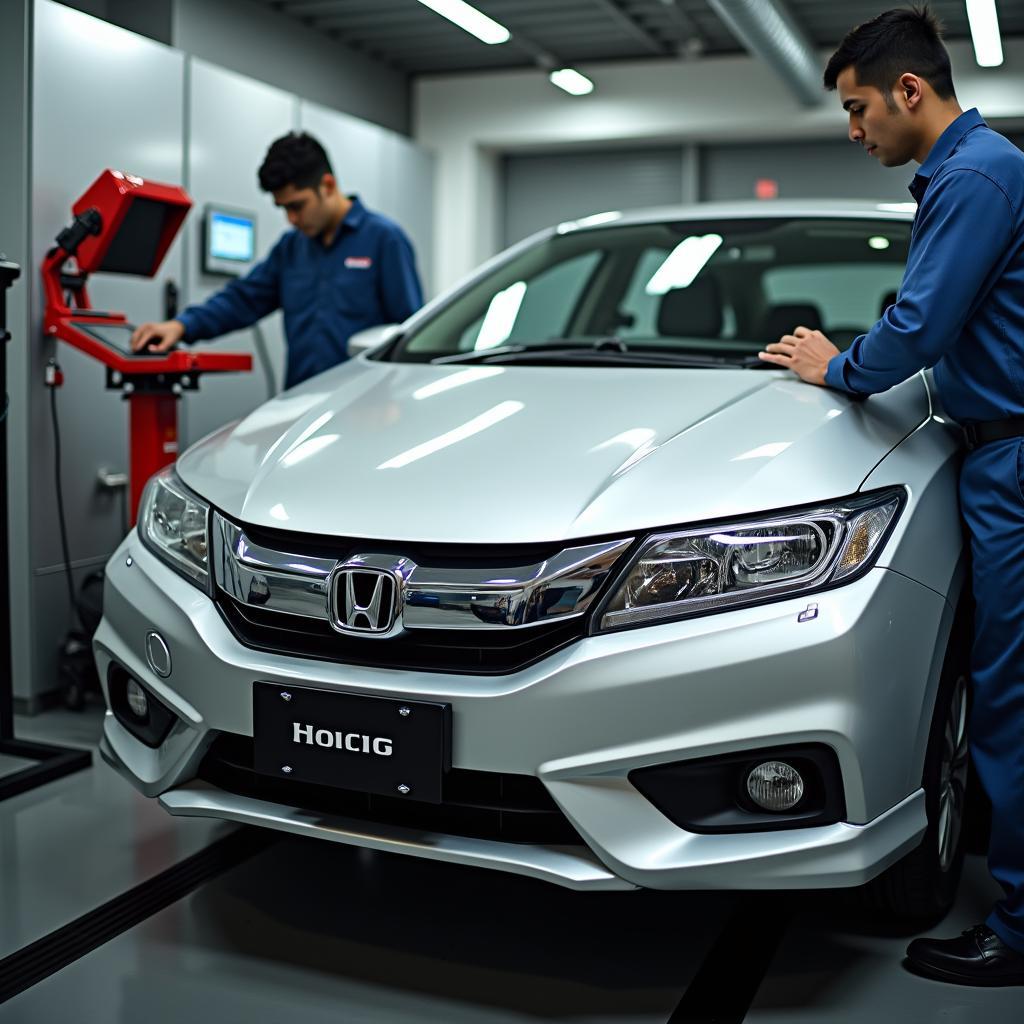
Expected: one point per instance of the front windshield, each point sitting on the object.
(724, 288)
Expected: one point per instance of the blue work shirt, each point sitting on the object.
(365, 277)
(960, 307)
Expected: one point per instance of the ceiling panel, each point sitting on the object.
(412, 38)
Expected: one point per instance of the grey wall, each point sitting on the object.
(544, 189)
(81, 69)
(232, 119)
(408, 175)
(249, 37)
(253, 40)
(803, 170)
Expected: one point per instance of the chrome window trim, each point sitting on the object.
(558, 588)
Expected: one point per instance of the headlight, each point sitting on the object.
(173, 524)
(676, 575)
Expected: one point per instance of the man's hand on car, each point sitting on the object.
(159, 337)
(805, 352)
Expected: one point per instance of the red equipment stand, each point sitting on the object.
(125, 225)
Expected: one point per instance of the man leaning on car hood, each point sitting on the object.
(960, 309)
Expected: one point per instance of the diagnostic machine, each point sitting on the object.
(124, 224)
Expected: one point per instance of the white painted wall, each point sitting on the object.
(469, 120)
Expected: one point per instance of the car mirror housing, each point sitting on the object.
(370, 338)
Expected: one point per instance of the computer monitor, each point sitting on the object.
(229, 241)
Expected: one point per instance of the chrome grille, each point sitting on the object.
(459, 609)
(467, 597)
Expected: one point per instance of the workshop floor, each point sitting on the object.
(302, 930)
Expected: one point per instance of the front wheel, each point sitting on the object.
(921, 887)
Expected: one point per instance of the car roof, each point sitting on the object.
(760, 209)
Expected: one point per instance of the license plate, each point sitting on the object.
(399, 748)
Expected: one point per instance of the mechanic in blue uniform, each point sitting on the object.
(343, 268)
(960, 309)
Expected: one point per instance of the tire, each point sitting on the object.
(920, 888)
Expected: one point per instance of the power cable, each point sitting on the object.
(76, 611)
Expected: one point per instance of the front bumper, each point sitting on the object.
(859, 678)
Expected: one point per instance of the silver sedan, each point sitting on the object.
(560, 579)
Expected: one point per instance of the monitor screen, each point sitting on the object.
(134, 248)
(115, 336)
(232, 238)
(229, 240)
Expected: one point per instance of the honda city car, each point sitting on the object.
(558, 578)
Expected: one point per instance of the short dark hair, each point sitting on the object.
(905, 39)
(294, 159)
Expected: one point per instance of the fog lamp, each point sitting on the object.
(775, 786)
(137, 701)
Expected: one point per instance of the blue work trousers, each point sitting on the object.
(992, 500)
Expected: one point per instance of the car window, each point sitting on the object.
(638, 316)
(532, 309)
(639, 308)
(849, 297)
(722, 287)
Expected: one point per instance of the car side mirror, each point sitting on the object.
(370, 337)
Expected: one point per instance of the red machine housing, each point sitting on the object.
(125, 225)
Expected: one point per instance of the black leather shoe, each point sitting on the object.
(978, 957)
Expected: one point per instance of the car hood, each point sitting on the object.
(523, 454)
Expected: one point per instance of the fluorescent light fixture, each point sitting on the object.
(475, 22)
(571, 81)
(879, 242)
(683, 263)
(501, 316)
(988, 46)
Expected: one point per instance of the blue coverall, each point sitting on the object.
(365, 277)
(961, 309)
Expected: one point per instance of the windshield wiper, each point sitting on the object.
(555, 345)
(554, 353)
(576, 351)
(573, 355)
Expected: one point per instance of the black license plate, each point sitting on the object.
(399, 748)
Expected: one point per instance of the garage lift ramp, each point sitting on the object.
(51, 762)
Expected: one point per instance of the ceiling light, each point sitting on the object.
(571, 81)
(988, 47)
(878, 242)
(487, 30)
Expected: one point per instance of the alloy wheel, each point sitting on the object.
(953, 775)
